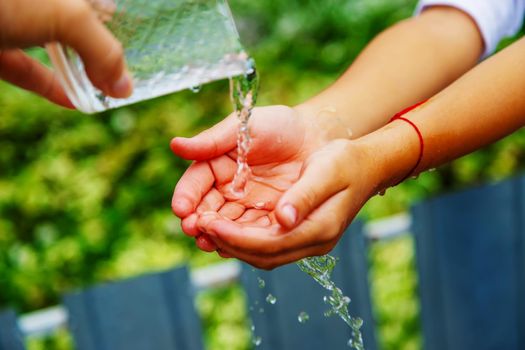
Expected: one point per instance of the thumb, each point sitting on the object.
(216, 141)
(78, 27)
(321, 179)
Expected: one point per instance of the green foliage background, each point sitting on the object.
(85, 199)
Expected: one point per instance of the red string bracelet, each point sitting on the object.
(399, 116)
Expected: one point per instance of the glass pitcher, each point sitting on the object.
(169, 45)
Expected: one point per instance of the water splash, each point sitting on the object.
(270, 299)
(303, 317)
(261, 282)
(243, 93)
(320, 269)
(257, 341)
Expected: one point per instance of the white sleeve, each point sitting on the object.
(496, 19)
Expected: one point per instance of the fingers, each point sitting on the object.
(21, 70)
(322, 226)
(78, 27)
(189, 225)
(251, 215)
(211, 143)
(269, 263)
(211, 202)
(268, 247)
(191, 188)
(245, 237)
(232, 210)
(224, 169)
(210, 244)
(263, 240)
(322, 177)
(263, 221)
(205, 243)
(182, 206)
(202, 240)
(223, 254)
(25, 23)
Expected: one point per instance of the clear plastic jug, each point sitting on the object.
(170, 45)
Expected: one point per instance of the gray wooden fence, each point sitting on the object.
(470, 250)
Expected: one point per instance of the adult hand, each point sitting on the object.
(74, 23)
(307, 184)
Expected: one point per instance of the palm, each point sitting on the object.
(277, 155)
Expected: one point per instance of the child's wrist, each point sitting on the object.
(394, 150)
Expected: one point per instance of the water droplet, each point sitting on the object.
(195, 89)
(259, 205)
(381, 193)
(303, 317)
(256, 302)
(261, 282)
(257, 341)
(432, 170)
(271, 299)
(261, 310)
(251, 308)
(252, 328)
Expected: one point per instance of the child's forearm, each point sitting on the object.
(481, 107)
(409, 62)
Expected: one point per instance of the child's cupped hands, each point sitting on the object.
(308, 181)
